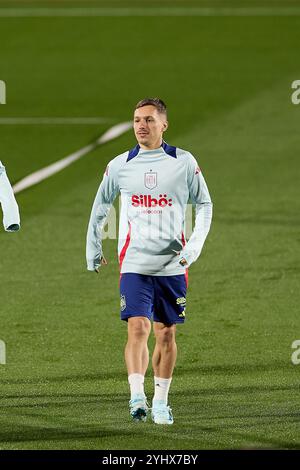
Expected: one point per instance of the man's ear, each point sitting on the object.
(165, 126)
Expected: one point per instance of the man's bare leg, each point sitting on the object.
(163, 362)
(165, 352)
(137, 353)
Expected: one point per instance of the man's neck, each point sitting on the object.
(154, 146)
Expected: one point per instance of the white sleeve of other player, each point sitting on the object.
(105, 197)
(201, 200)
(11, 216)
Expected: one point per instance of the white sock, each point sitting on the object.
(161, 389)
(136, 382)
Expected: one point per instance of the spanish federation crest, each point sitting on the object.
(123, 302)
(150, 180)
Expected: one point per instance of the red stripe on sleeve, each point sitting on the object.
(125, 247)
(186, 271)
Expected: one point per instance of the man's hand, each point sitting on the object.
(183, 261)
(103, 263)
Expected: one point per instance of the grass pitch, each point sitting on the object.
(227, 82)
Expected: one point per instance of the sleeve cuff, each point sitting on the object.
(92, 265)
(188, 257)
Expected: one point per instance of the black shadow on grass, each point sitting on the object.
(232, 368)
(44, 401)
(193, 397)
(38, 433)
(259, 442)
(114, 374)
(180, 371)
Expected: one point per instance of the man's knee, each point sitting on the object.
(139, 327)
(165, 335)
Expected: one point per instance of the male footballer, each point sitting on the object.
(11, 216)
(155, 181)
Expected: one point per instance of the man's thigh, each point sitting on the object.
(137, 293)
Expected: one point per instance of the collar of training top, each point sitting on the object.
(169, 150)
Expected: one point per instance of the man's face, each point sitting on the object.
(149, 126)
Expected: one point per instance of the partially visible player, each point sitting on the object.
(156, 181)
(11, 216)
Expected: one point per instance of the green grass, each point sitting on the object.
(227, 83)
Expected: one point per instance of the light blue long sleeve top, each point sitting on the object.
(11, 215)
(155, 188)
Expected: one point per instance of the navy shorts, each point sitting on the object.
(162, 298)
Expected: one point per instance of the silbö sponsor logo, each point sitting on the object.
(147, 200)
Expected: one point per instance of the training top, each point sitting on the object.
(155, 187)
(11, 216)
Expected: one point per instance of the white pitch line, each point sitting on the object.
(50, 170)
(135, 11)
(53, 120)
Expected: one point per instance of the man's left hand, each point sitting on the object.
(183, 261)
